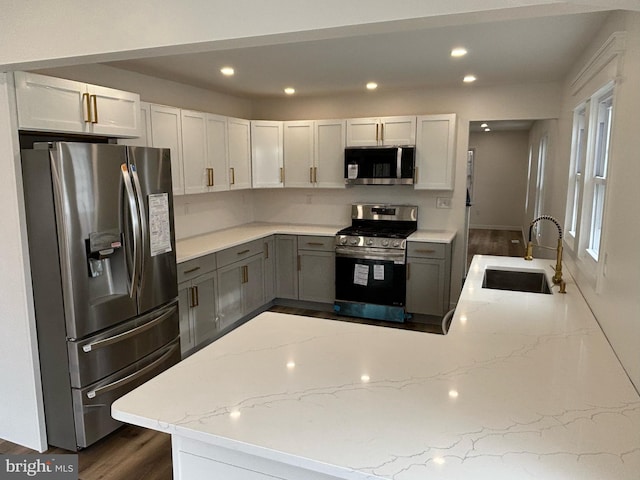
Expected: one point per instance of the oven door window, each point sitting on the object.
(379, 282)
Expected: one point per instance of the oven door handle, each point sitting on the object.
(359, 254)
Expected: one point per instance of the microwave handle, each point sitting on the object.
(399, 163)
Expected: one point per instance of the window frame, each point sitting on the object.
(590, 185)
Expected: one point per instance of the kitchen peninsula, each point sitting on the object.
(524, 386)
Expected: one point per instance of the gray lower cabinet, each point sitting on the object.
(286, 266)
(240, 289)
(269, 263)
(316, 269)
(197, 302)
(428, 278)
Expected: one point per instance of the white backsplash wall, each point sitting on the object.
(333, 206)
(208, 212)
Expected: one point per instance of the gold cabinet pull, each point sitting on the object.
(266, 250)
(299, 263)
(425, 251)
(382, 132)
(310, 174)
(209, 177)
(315, 244)
(281, 175)
(315, 174)
(87, 107)
(233, 176)
(243, 252)
(245, 274)
(194, 297)
(377, 128)
(191, 270)
(94, 102)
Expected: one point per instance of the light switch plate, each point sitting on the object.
(443, 202)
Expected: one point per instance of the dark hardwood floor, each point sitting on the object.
(130, 453)
(506, 243)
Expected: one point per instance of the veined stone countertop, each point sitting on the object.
(194, 247)
(524, 386)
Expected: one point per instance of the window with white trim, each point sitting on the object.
(598, 178)
(576, 177)
(590, 149)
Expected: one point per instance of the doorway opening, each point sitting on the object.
(505, 173)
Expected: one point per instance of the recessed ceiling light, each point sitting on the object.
(483, 125)
(459, 52)
(469, 78)
(289, 90)
(372, 86)
(228, 71)
(487, 129)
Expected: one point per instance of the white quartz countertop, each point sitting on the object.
(194, 247)
(524, 386)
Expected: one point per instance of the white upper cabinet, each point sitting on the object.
(144, 140)
(381, 131)
(194, 151)
(267, 160)
(56, 105)
(166, 132)
(435, 152)
(314, 154)
(330, 140)
(299, 154)
(204, 151)
(239, 144)
(217, 153)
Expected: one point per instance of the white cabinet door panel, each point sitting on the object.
(435, 152)
(115, 113)
(299, 154)
(217, 152)
(266, 155)
(239, 138)
(51, 104)
(330, 140)
(166, 132)
(194, 151)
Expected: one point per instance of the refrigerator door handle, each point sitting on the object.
(128, 334)
(136, 228)
(142, 219)
(130, 378)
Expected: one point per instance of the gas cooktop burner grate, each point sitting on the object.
(376, 231)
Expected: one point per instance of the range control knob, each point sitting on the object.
(385, 243)
(369, 241)
(343, 241)
(396, 243)
(353, 241)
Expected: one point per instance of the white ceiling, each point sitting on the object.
(512, 51)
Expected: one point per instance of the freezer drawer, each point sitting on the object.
(99, 356)
(92, 404)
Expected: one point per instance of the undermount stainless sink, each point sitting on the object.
(533, 281)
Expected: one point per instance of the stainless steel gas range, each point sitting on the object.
(371, 261)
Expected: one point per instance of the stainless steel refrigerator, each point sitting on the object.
(103, 267)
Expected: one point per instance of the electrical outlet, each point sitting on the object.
(443, 202)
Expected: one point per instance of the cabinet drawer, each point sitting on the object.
(235, 254)
(198, 266)
(316, 242)
(426, 250)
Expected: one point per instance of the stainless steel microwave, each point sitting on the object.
(379, 165)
